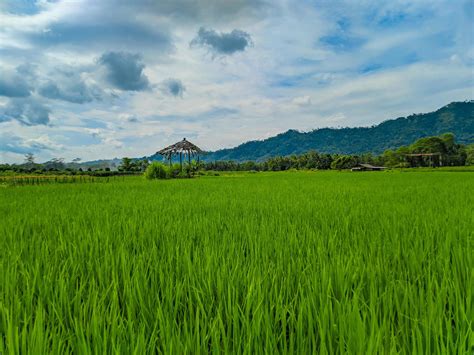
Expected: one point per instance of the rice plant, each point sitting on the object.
(296, 262)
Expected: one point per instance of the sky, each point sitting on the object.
(95, 79)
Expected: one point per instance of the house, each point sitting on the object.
(368, 167)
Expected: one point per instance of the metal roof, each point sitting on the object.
(368, 166)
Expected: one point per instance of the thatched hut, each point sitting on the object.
(183, 147)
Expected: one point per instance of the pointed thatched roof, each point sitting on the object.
(183, 146)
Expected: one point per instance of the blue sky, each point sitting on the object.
(102, 79)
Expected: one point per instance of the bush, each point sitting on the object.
(175, 170)
(157, 171)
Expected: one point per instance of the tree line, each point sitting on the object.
(450, 154)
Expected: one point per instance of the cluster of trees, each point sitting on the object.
(59, 166)
(451, 154)
(309, 160)
(56, 166)
(30, 166)
(133, 165)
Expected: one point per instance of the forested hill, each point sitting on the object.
(457, 118)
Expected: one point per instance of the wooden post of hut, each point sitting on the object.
(181, 147)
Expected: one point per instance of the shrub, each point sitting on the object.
(157, 171)
(175, 170)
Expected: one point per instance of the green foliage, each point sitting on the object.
(126, 164)
(133, 165)
(429, 145)
(296, 263)
(470, 154)
(391, 158)
(309, 160)
(451, 153)
(175, 170)
(344, 162)
(161, 171)
(157, 171)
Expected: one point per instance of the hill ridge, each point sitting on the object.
(455, 117)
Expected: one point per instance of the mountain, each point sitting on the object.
(457, 118)
(99, 164)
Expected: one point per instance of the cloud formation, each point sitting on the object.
(29, 112)
(222, 43)
(192, 11)
(173, 87)
(61, 83)
(75, 91)
(124, 71)
(13, 85)
(107, 34)
(14, 144)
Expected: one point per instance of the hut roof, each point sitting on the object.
(183, 146)
(363, 166)
(370, 166)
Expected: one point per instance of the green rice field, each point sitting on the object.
(289, 262)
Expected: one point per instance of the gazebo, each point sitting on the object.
(183, 147)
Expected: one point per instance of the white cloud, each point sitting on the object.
(302, 100)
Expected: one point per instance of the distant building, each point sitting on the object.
(368, 167)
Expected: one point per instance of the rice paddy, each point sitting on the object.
(294, 262)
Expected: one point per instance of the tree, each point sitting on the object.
(470, 154)
(325, 161)
(449, 142)
(142, 164)
(390, 158)
(126, 164)
(429, 145)
(344, 162)
(29, 158)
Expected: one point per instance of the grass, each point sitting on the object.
(297, 262)
(29, 179)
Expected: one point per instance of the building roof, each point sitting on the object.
(183, 146)
(368, 166)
